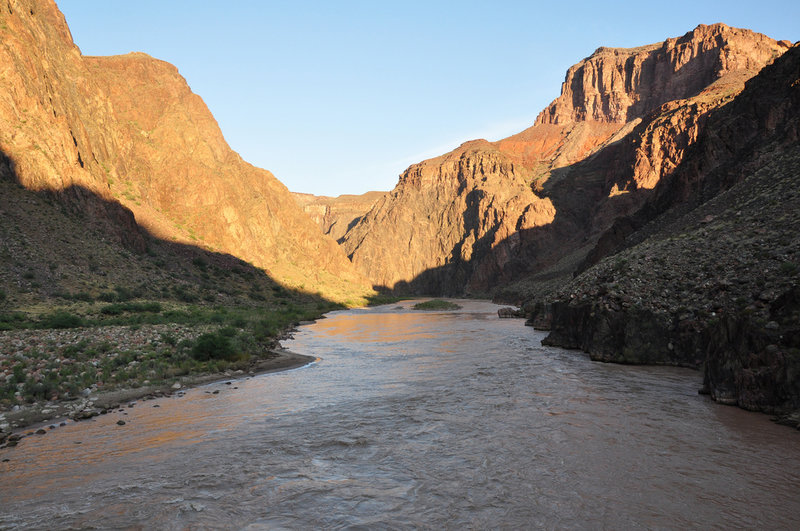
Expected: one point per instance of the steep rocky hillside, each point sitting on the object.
(706, 273)
(487, 213)
(336, 215)
(56, 253)
(128, 131)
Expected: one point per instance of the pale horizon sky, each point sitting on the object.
(341, 97)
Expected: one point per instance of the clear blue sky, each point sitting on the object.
(341, 96)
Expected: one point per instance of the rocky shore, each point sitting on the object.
(75, 374)
(39, 417)
(721, 294)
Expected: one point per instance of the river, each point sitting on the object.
(417, 419)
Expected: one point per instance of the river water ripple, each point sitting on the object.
(433, 420)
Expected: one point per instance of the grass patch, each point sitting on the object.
(436, 304)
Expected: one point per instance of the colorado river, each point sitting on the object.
(417, 419)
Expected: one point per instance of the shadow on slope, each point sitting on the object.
(73, 248)
(593, 219)
(584, 208)
(91, 302)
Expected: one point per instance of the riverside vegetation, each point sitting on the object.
(126, 259)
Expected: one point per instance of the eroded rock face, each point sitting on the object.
(52, 124)
(129, 131)
(489, 213)
(621, 84)
(451, 223)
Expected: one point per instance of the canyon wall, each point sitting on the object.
(489, 213)
(126, 139)
(706, 273)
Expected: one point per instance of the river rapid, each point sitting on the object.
(416, 419)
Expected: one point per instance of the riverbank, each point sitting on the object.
(13, 424)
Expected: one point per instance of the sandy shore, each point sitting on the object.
(31, 416)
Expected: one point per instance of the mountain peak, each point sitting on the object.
(618, 85)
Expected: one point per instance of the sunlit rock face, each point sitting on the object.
(492, 212)
(129, 131)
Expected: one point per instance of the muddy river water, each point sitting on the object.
(455, 420)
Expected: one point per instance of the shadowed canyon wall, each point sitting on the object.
(706, 273)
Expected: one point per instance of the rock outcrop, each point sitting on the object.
(488, 214)
(445, 213)
(125, 139)
(706, 272)
(336, 215)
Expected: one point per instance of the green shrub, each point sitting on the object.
(75, 351)
(279, 291)
(213, 346)
(2, 295)
(182, 294)
(123, 294)
(12, 317)
(112, 309)
(61, 319)
(169, 339)
(265, 328)
(228, 331)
